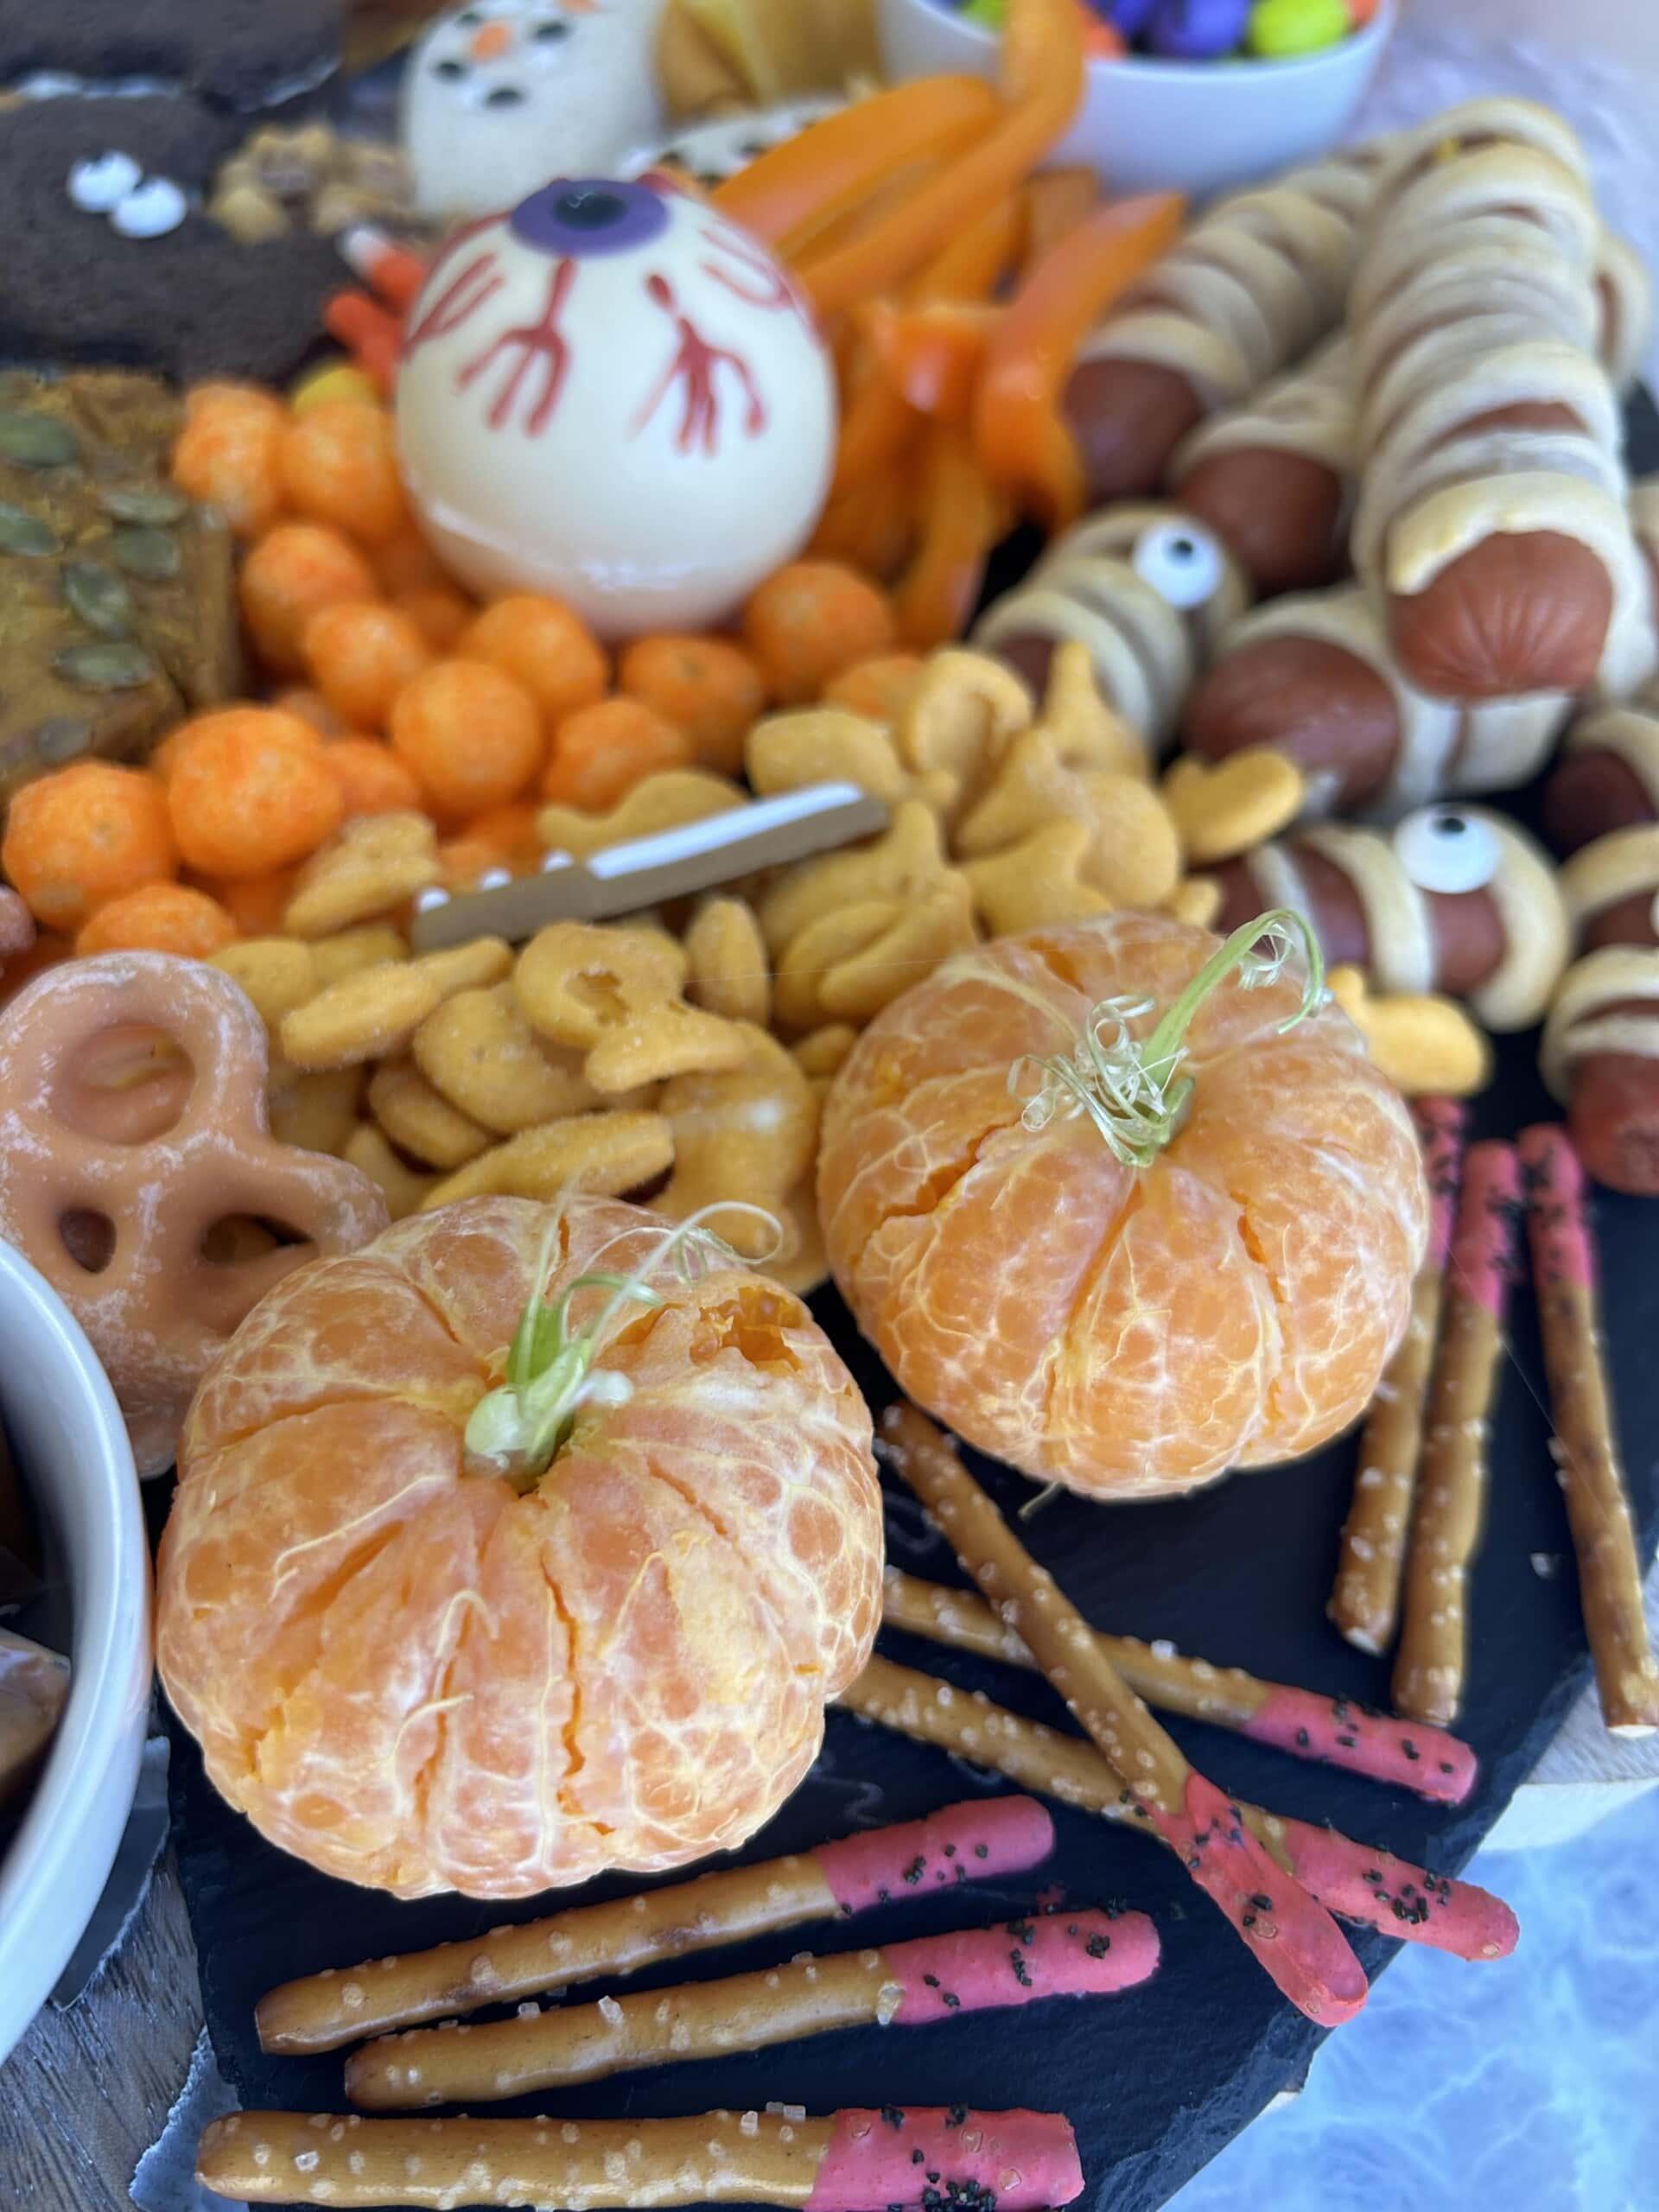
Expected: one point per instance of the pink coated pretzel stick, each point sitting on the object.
(1333, 1730)
(1428, 1667)
(1597, 1510)
(910, 1984)
(960, 1843)
(1366, 1597)
(1297, 1943)
(1355, 1880)
(853, 2161)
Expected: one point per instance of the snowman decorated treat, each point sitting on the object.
(614, 395)
(503, 94)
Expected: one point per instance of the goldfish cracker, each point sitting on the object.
(310, 706)
(809, 622)
(84, 836)
(748, 1134)
(958, 723)
(547, 647)
(277, 973)
(661, 802)
(614, 995)
(903, 864)
(472, 736)
(442, 614)
(1196, 899)
(814, 745)
(291, 573)
(610, 1153)
(369, 1151)
(420, 1121)
(250, 791)
(360, 654)
(708, 687)
(480, 1051)
(821, 1051)
(373, 779)
(229, 453)
(857, 959)
(1037, 882)
(315, 1110)
(373, 867)
(600, 752)
(339, 466)
(726, 969)
(879, 690)
(159, 918)
(336, 957)
(373, 1012)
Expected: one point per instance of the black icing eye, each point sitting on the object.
(449, 71)
(547, 33)
(504, 96)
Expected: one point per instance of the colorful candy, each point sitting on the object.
(1281, 29)
(1198, 30)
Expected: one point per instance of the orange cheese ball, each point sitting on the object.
(88, 833)
(441, 613)
(546, 646)
(339, 465)
(229, 452)
(251, 790)
(600, 752)
(256, 904)
(404, 563)
(371, 777)
(291, 575)
(360, 654)
(161, 917)
(471, 735)
(811, 620)
(708, 687)
(311, 706)
(510, 833)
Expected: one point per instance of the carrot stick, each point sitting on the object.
(1052, 204)
(961, 520)
(971, 265)
(931, 355)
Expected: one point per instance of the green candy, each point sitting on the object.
(990, 13)
(1281, 28)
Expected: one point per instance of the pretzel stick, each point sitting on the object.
(1298, 1943)
(852, 2162)
(1074, 1954)
(1366, 1597)
(1428, 1667)
(959, 1843)
(1331, 1729)
(1610, 1573)
(1353, 1879)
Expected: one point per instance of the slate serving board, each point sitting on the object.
(1156, 2081)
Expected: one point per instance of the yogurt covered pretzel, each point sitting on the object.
(156, 1310)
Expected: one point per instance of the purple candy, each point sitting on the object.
(1198, 30)
(1129, 17)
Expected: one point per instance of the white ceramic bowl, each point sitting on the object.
(70, 1443)
(1145, 125)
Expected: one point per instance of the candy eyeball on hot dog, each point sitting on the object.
(1182, 561)
(1448, 849)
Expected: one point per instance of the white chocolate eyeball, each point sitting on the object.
(1182, 563)
(150, 210)
(615, 396)
(1442, 849)
(97, 184)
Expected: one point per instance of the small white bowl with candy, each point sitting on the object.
(1190, 96)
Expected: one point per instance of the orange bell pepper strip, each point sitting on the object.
(873, 527)
(1042, 74)
(876, 423)
(931, 356)
(1053, 202)
(971, 266)
(961, 519)
(834, 164)
(1019, 436)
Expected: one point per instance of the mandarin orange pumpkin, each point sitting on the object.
(1123, 1205)
(522, 1544)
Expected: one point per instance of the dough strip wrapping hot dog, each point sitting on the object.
(1060, 1954)
(853, 2161)
(1355, 1880)
(1333, 1730)
(1609, 1573)
(1297, 1944)
(960, 1843)
(1445, 1534)
(1365, 1600)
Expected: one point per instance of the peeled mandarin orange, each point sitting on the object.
(1128, 1330)
(419, 1658)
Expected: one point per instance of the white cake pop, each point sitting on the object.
(614, 395)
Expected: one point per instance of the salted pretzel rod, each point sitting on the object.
(1298, 1943)
(1333, 1730)
(975, 1842)
(903, 1985)
(1586, 1450)
(1355, 1880)
(853, 2161)
(1366, 1597)
(1446, 1532)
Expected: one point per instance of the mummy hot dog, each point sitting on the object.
(1493, 523)
(1601, 1041)
(1458, 901)
(1148, 591)
(1313, 676)
(1255, 282)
